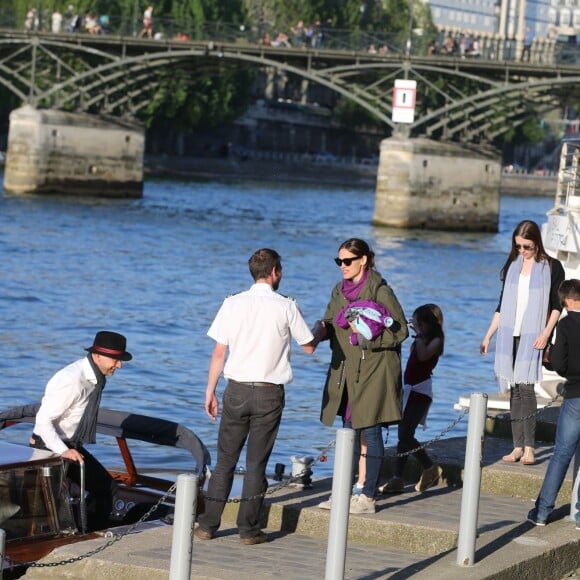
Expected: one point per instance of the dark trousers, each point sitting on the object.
(252, 414)
(417, 405)
(523, 403)
(526, 53)
(101, 486)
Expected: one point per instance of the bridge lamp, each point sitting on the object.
(135, 17)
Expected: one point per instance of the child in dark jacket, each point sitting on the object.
(566, 363)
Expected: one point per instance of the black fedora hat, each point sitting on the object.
(110, 344)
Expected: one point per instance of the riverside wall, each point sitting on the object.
(52, 151)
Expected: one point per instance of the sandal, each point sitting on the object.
(514, 456)
(528, 458)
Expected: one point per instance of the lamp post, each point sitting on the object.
(135, 17)
(410, 37)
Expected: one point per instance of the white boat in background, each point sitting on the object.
(561, 237)
(561, 232)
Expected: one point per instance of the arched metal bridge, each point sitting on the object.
(472, 99)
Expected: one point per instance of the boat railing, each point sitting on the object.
(568, 186)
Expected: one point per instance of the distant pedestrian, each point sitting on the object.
(427, 322)
(566, 362)
(528, 310)
(256, 327)
(31, 22)
(56, 22)
(528, 41)
(147, 29)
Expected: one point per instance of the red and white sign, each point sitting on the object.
(404, 101)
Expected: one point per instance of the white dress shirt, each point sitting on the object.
(64, 402)
(256, 326)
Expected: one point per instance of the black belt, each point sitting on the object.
(257, 384)
(38, 442)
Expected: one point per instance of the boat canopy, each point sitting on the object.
(129, 426)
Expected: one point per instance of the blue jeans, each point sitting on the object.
(373, 436)
(251, 413)
(567, 437)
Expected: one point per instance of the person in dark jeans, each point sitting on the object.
(566, 362)
(256, 327)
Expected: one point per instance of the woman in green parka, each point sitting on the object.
(364, 384)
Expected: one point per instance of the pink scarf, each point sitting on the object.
(350, 290)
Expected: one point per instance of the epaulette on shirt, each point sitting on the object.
(289, 297)
(234, 294)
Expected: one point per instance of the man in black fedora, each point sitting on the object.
(67, 419)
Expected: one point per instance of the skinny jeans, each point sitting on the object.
(567, 438)
(373, 436)
(417, 405)
(252, 414)
(523, 403)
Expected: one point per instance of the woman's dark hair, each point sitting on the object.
(432, 317)
(529, 230)
(263, 261)
(359, 248)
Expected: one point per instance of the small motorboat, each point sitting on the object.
(40, 509)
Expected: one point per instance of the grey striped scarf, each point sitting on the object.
(527, 368)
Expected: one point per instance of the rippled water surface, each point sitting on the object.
(157, 270)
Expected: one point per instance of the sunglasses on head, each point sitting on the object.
(346, 261)
(526, 247)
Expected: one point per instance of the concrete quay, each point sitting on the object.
(412, 535)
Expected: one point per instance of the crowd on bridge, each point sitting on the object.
(315, 35)
(70, 21)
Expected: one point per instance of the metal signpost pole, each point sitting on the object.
(2, 545)
(182, 540)
(471, 480)
(341, 490)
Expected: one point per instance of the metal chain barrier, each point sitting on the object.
(275, 488)
(113, 540)
(536, 412)
(322, 457)
(451, 426)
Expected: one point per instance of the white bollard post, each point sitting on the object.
(576, 470)
(341, 490)
(2, 546)
(182, 541)
(471, 480)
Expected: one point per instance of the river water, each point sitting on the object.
(157, 270)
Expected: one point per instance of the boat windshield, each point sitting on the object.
(34, 501)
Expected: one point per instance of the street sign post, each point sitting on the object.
(404, 97)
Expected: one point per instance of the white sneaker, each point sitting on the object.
(361, 504)
(326, 505)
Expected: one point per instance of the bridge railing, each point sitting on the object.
(487, 46)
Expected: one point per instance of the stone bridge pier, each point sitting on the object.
(432, 185)
(51, 151)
